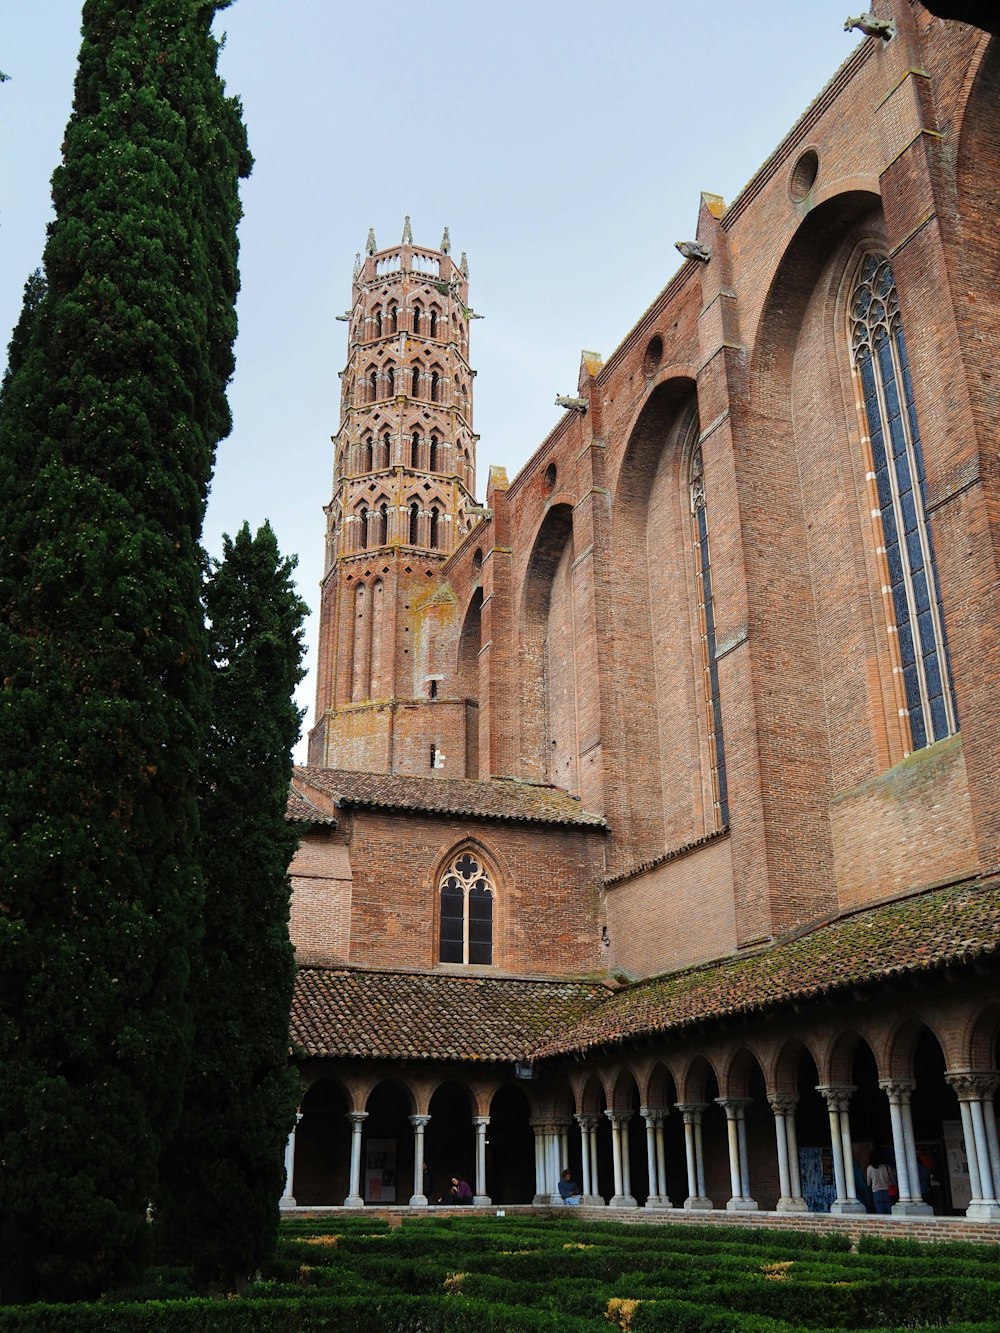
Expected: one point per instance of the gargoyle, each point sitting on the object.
(694, 250)
(873, 27)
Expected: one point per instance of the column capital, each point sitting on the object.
(972, 1085)
(619, 1117)
(838, 1098)
(357, 1118)
(419, 1121)
(588, 1121)
(692, 1111)
(783, 1103)
(898, 1090)
(654, 1115)
(733, 1105)
(480, 1121)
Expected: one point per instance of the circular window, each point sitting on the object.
(550, 477)
(654, 355)
(804, 174)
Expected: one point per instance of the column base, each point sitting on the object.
(658, 1201)
(698, 1203)
(741, 1206)
(481, 1201)
(418, 1201)
(287, 1202)
(540, 1200)
(354, 1201)
(983, 1212)
(791, 1204)
(843, 1206)
(912, 1208)
(622, 1201)
(593, 1201)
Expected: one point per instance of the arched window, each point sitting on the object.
(466, 912)
(394, 319)
(414, 519)
(432, 460)
(706, 619)
(363, 538)
(390, 382)
(415, 449)
(434, 324)
(435, 517)
(880, 360)
(373, 386)
(386, 449)
(415, 383)
(435, 384)
(378, 323)
(383, 524)
(367, 454)
(416, 318)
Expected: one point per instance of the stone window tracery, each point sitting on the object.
(706, 618)
(880, 360)
(466, 918)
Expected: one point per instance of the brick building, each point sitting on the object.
(652, 816)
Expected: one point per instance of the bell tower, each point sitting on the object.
(403, 491)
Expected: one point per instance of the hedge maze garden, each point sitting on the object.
(488, 1274)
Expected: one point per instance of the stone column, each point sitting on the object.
(989, 1113)
(541, 1195)
(654, 1158)
(692, 1113)
(904, 1148)
(838, 1100)
(783, 1105)
(619, 1147)
(418, 1199)
(481, 1197)
(973, 1087)
(584, 1121)
(735, 1109)
(354, 1199)
(287, 1199)
(588, 1140)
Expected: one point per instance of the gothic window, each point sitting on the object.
(394, 319)
(415, 386)
(414, 518)
(390, 381)
(386, 449)
(415, 449)
(435, 517)
(363, 537)
(432, 461)
(706, 618)
(416, 318)
(378, 323)
(367, 454)
(382, 528)
(372, 386)
(434, 324)
(881, 362)
(435, 385)
(466, 912)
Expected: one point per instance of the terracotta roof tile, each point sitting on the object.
(430, 1016)
(499, 798)
(951, 925)
(300, 810)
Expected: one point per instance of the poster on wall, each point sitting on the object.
(958, 1165)
(818, 1187)
(380, 1171)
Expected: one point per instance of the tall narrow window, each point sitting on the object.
(432, 455)
(434, 324)
(415, 383)
(390, 382)
(435, 382)
(373, 386)
(706, 616)
(416, 319)
(434, 532)
(898, 464)
(367, 454)
(414, 520)
(363, 541)
(394, 319)
(466, 912)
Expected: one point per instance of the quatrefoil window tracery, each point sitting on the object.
(467, 895)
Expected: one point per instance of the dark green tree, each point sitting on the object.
(109, 421)
(222, 1175)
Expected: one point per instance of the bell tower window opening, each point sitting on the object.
(416, 318)
(466, 917)
(706, 619)
(390, 382)
(363, 542)
(435, 386)
(394, 319)
(414, 519)
(373, 386)
(432, 457)
(415, 449)
(378, 323)
(433, 324)
(881, 362)
(435, 524)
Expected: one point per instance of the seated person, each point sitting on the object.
(569, 1190)
(460, 1191)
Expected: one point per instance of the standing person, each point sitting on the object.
(879, 1177)
(569, 1190)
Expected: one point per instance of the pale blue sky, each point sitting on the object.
(565, 144)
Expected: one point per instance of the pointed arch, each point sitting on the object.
(466, 900)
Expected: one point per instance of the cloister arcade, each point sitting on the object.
(782, 1120)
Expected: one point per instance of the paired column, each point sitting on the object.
(904, 1147)
(287, 1199)
(548, 1157)
(838, 1101)
(620, 1152)
(656, 1163)
(739, 1165)
(418, 1199)
(481, 1197)
(694, 1152)
(974, 1090)
(790, 1180)
(354, 1199)
(588, 1142)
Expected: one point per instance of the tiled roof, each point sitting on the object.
(946, 926)
(300, 810)
(499, 798)
(430, 1016)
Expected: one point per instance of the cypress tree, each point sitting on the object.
(223, 1174)
(109, 420)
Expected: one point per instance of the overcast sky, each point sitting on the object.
(564, 143)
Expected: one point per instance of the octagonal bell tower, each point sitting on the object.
(403, 496)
